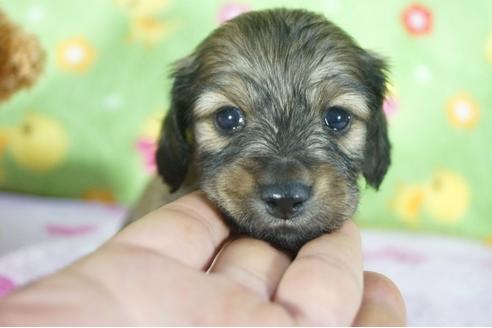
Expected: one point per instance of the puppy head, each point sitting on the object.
(279, 112)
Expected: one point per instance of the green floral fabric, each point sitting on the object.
(87, 129)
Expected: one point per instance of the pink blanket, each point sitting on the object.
(444, 281)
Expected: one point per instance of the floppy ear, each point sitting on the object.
(174, 149)
(377, 150)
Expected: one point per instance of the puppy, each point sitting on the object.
(274, 116)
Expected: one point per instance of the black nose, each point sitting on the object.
(285, 200)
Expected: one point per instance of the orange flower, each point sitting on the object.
(463, 111)
(100, 195)
(3, 141)
(407, 203)
(75, 54)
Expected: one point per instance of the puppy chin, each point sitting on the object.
(289, 235)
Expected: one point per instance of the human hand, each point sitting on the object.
(159, 271)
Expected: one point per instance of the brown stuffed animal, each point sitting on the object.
(21, 58)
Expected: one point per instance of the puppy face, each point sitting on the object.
(275, 115)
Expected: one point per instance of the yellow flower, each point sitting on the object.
(75, 54)
(149, 30)
(143, 7)
(488, 49)
(408, 202)
(447, 196)
(39, 143)
(3, 140)
(152, 126)
(463, 111)
(391, 89)
(100, 195)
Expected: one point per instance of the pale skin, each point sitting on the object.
(166, 269)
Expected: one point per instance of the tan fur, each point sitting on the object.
(354, 102)
(235, 183)
(21, 58)
(330, 188)
(208, 103)
(354, 141)
(206, 134)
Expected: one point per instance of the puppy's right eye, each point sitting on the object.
(229, 119)
(337, 118)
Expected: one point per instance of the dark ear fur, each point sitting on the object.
(377, 151)
(174, 150)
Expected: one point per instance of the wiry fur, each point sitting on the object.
(283, 68)
(21, 58)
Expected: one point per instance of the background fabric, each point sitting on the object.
(87, 129)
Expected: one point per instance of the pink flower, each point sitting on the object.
(68, 231)
(6, 286)
(396, 255)
(417, 20)
(391, 106)
(231, 10)
(488, 263)
(146, 148)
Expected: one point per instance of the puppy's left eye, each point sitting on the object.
(229, 118)
(337, 118)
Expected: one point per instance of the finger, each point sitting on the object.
(382, 303)
(189, 230)
(253, 264)
(323, 285)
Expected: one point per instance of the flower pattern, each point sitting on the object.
(463, 111)
(417, 20)
(75, 54)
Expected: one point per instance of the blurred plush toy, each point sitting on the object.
(21, 58)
